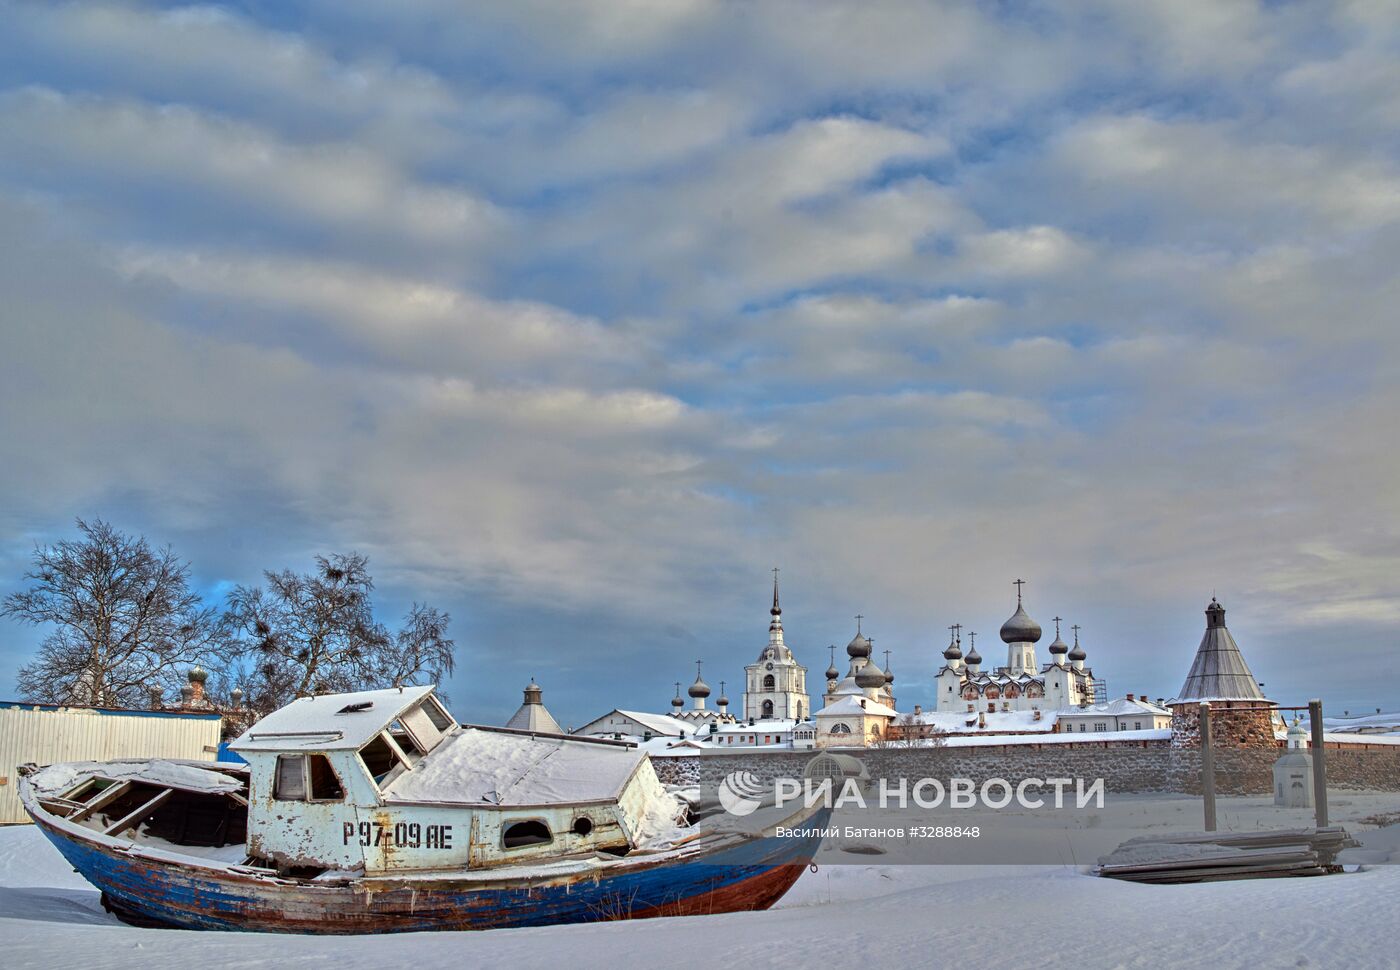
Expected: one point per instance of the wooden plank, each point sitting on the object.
(101, 800)
(138, 814)
(1212, 862)
(1223, 874)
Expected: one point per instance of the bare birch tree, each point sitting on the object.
(315, 633)
(125, 620)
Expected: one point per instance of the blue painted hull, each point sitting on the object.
(746, 876)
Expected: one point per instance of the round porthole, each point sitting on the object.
(583, 825)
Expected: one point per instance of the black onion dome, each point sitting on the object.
(1020, 628)
(858, 647)
(1059, 646)
(952, 651)
(1077, 653)
(698, 689)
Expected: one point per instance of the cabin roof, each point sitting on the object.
(317, 723)
(478, 765)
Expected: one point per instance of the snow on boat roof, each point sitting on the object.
(321, 723)
(185, 775)
(483, 766)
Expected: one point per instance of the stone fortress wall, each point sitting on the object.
(1127, 767)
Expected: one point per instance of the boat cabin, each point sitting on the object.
(387, 780)
(376, 782)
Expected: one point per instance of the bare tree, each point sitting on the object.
(314, 633)
(907, 731)
(125, 620)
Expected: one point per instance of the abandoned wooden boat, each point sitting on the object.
(377, 812)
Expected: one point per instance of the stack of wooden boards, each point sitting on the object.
(1212, 856)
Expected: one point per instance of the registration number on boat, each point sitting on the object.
(402, 835)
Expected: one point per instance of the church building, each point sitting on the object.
(775, 683)
(1022, 684)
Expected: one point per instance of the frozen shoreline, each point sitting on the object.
(878, 916)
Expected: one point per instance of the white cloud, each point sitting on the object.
(116, 142)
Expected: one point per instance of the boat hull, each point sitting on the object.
(150, 891)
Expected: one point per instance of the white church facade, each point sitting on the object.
(775, 685)
(1022, 684)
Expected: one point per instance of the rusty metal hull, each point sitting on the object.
(751, 875)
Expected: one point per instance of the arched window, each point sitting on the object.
(839, 728)
(768, 682)
(768, 706)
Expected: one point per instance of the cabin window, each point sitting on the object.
(379, 758)
(290, 783)
(404, 739)
(532, 831)
(298, 774)
(325, 786)
(436, 714)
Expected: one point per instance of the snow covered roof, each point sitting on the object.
(660, 724)
(482, 766)
(1364, 724)
(329, 722)
(1121, 706)
(958, 722)
(770, 725)
(1219, 672)
(852, 705)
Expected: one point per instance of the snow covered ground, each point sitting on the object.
(858, 915)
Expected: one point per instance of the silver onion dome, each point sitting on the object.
(698, 689)
(1059, 646)
(870, 676)
(973, 657)
(858, 647)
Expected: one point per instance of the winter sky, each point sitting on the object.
(578, 317)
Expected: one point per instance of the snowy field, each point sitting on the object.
(857, 915)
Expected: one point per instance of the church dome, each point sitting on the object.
(198, 674)
(973, 657)
(1020, 628)
(952, 651)
(858, 647)
(870, 675)
(889, 676)
(723, 701)
(1059, 646)
(1078, 652)
(832, 673)
(699, 688)
(677, 702)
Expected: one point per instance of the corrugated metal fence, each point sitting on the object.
(45, 734)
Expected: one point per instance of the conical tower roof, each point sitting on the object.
(1219, 672)
(533, 715)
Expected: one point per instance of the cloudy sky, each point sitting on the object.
(578, 317)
